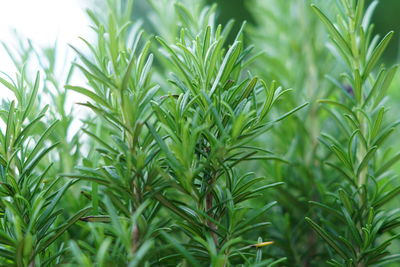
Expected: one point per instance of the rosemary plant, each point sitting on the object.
(29, 196)
(206, 124)
(300, 62)
(118, 72)
(172, 140)
(361, 160)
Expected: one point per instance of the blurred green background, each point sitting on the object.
(386, 18)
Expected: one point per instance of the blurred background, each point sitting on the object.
(45, 21)
(386, 18)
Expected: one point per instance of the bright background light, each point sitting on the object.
(43, 22)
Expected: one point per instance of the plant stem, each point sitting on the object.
(361, 151)
(135, 238)
(213, 227)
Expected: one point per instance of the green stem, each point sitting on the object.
(361, 151)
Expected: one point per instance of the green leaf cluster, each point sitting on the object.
(177, 141)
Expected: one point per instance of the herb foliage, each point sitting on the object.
(203, 146)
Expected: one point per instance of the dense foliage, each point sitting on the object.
(188, 143)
